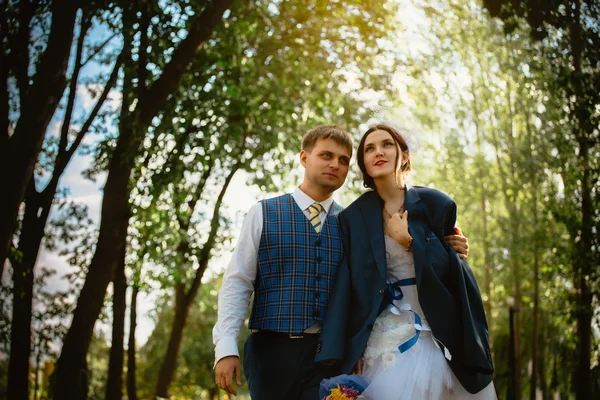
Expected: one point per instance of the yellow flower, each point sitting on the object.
(337, 394)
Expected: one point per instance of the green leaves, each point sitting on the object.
(515, 118)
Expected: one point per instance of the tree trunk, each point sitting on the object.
(536, 311)
(584, 330)
(584, 261)
(20, 347)
(542, 355)
(131, 384)
(510, 192)
(536, 261)
(483, 198)
(109, 249)
(511, 199)
(184, 300)
(4, 95)
(20, 156)
(517, 349)
(38, 360)
(488, 282)
(114, 385)
(37, 210)
(115, 218)
(169, 364)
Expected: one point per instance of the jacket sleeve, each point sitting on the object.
(477, 355)
(332, 341)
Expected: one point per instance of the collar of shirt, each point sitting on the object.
(304, 201)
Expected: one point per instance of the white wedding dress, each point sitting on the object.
(421, 370)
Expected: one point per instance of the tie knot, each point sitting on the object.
(315, 208)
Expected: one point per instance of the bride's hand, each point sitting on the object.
(358, 367)
(398, 229)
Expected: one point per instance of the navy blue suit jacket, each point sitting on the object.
(448, 292)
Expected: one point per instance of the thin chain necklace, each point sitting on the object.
(387, 213)
(386, 220)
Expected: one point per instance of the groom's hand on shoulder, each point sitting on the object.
(225, 369)
(459, 242)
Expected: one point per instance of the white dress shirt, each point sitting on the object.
(240, 275)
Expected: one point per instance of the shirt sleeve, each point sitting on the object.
(237, 287)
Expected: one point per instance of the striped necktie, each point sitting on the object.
(315, 210)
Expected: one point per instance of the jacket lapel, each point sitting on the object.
(373, 220)
(416, 211)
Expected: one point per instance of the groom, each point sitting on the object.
(287, 255)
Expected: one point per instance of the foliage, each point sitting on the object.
(270, 75)
(500, 141)
(502, 111)
(195, 374)
(98, 366)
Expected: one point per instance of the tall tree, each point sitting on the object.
(576, 60)
(38, 206)
(39, 96)
(114, 382)
(134, 125)
(494, 86)
(115, 211)
(131, 348)
(184, 298)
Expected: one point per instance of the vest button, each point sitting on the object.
(382, 291)
(316, 314)
(318, 242)
(318, 277)
(317, 293)
(319, 259)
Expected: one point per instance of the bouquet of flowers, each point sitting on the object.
(343, 387)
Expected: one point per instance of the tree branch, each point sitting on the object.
(20, 49)
(214, 223)
(99, 49)
(4, 100)
(143, 50)
(67, 155)
(184, 223)
(212, 236)
(199, 32)
(64, 132)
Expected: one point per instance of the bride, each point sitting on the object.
(405, 309)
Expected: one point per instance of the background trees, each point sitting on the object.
(170, 105)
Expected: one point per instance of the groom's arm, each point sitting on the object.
(234, 298)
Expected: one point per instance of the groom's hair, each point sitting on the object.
(327, 132)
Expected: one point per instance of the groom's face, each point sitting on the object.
(326, 164)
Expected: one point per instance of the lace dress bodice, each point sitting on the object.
(396, 324)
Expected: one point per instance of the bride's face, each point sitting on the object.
(380, 153)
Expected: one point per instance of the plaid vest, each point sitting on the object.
(295, 267)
